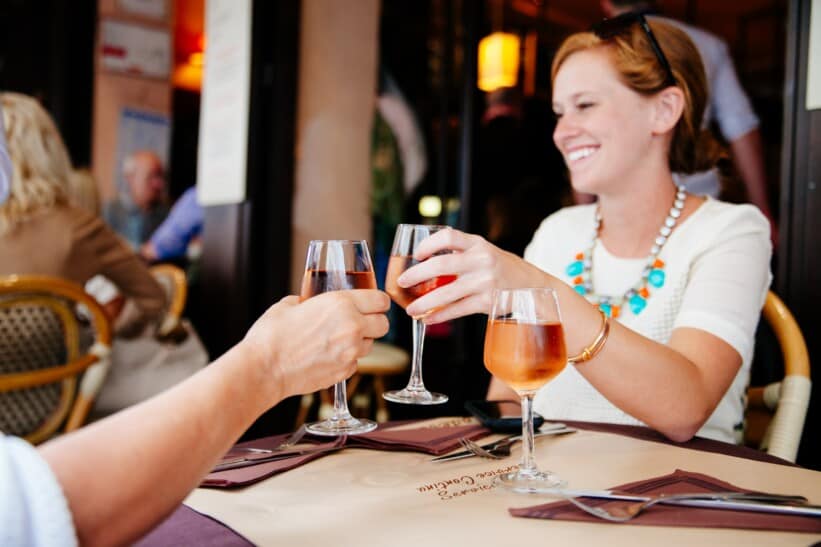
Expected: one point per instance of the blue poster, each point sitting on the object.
(141, 130)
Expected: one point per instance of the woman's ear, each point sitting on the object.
(669, 105)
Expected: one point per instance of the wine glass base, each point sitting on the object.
(530, 483)
(415, 397)
(336, 427)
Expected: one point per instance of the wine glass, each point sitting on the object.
(338, 265)
(407, 238)
(525, 348)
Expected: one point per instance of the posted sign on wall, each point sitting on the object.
(223, 143)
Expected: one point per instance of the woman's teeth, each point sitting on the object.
(580, 153)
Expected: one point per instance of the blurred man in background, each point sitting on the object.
(135, 214)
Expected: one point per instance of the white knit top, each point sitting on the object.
(717, 277)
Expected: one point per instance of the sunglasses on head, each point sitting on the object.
(608, 28)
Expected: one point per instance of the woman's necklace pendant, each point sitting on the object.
(653, 276)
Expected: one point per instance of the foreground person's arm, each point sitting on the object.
(123, 475)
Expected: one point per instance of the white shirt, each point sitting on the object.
(717, 277)
(33, 510)
(729, 106)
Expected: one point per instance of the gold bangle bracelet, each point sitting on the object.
(593, 349)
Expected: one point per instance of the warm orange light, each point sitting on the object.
(498, 61)
(188, 75)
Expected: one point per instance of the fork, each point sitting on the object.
(498, 452)
(292, 440)
(624, 513)
(501, 448)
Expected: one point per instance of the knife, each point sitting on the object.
(779, 503)
(491, 446)
(245, 461)
(738, 505)
(744, 497)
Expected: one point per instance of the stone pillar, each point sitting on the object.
(335, 106)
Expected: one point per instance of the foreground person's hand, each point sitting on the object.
(479, 266)
(311, 345)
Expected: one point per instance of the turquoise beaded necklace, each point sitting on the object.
(581, 269)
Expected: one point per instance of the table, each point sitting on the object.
(365, 497)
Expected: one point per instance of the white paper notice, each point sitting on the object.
(135, 49)
(814, 58)
(223, 143)
(147, 8)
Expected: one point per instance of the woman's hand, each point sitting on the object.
(479, 266)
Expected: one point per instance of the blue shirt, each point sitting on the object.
(183, 224)
(33, 509)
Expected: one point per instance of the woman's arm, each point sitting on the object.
(672, 388)
(124, 474)
(98, 250)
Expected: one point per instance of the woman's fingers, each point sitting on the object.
(443, 240)
(463, 287)
(477, 303)
(447, 264)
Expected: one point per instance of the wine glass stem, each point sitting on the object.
(415, 383)
(528, 463)
(341, 401)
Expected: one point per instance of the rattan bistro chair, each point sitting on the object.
(775, 413)
(173, 282)
(41, 359)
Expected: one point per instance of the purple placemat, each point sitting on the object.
(187, 527)
(679, 482)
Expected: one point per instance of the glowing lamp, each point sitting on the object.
(498, 61)
(430, 206)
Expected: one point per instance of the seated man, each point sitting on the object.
(136, 214)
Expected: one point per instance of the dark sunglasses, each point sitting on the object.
(608, 28)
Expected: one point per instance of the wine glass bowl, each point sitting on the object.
(404, 296)
(336, 265)
(405, 242)
(525, 349)
(524, 355)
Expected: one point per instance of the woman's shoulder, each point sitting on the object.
(80, 222)
(721, 217)
(717, 224)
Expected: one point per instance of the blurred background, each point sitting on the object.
(302, 119)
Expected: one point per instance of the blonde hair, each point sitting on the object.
(40, 162)
(692, 149)
(83, 192)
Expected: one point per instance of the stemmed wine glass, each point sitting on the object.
(338, 265)
(525, 348)
(407, 238)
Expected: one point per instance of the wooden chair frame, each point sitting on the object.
(776, 413)
(178, 296)
(49, 292)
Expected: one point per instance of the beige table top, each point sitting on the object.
(365, 497)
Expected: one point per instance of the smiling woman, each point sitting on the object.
(680, 279)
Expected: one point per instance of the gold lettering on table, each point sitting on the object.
(451, 422)
(463, 485)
